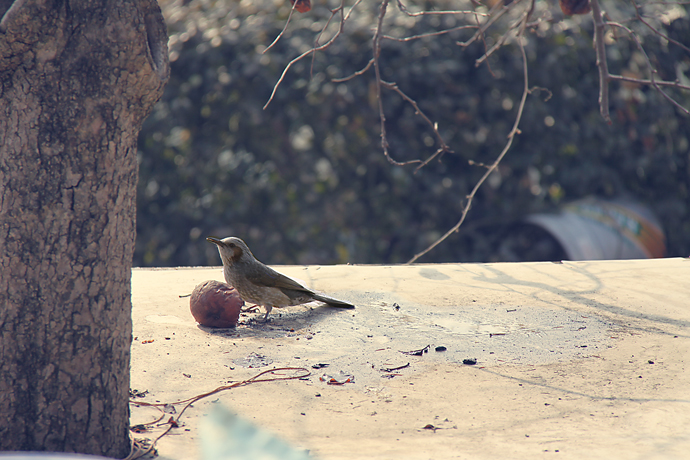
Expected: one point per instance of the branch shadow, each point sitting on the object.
(579, 393)
(614, 312)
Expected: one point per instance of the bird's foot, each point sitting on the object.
(268, 310)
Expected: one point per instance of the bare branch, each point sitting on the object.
(434, 126)
(654, 29)
(347, 16)
(668, 3)
(305, 54)
(379, 83)
(640, 81)
(513, 31)
(404, 9)
(292, 10)
(504, 38)
(511, 136)
(394, 87)
(652, 70)
(356, 74)
(484, 44)
(430, 34)
(323, 29)
(501, 41)
(494, 15)
(602, 64)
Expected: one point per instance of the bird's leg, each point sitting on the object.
(268, 310)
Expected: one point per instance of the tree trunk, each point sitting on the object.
(77, 79)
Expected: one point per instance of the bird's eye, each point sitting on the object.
(232, 245)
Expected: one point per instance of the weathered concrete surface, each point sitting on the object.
(579, 360)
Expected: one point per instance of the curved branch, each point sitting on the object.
(434, 126)
(356, 74)
(602, 64)
(307, 53)
(282, 32)
(511, 136)
(652, 71)
(379, 83)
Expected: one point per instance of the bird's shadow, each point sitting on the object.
(281, 323)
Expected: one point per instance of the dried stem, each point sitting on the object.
(511, 136)
(505, 37)
(173, 423)
(494, 15)
(429, 34)
(434, 126)
(484, 21)
(654, 29)
(377, 53)
(305, 54)
(652, 71)
(602, 63)
(675, 84)
(404, 9)
(323, 29)
(356, 74)
(282, 32)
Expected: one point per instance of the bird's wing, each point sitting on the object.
(332, 301)
(266, 276)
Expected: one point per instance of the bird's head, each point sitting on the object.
(231, 249)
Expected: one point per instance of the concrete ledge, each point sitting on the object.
(586, 359)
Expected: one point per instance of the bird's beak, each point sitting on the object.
(215, 241)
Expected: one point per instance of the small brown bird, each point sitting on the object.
(260, 284)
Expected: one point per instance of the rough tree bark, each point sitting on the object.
(77, 78)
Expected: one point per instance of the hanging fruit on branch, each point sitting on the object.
(570, 7)
(302, 5)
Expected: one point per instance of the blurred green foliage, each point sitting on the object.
(305, 181)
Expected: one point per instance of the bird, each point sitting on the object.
(260, 284)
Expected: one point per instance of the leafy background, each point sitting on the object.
(305, 181)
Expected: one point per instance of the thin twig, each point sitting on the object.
(668, 3)
(494, 15)
(602, 64)
(429, 34)
(511, 136)
(434, 126)
(654, 29)
(484, 44)
(302, 56)
(382, 116)
(356, 74)
(652, 70)
(323, 29)
(500, 42)
(347, 16)
(172, 423)
(313, 50)
(282, 31)
(640, 81)
(404, 9)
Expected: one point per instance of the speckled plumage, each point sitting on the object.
(260, 284)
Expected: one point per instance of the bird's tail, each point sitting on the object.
(332, 302)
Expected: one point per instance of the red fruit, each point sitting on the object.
(302, 5)
(570, 7)
(215, 304)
